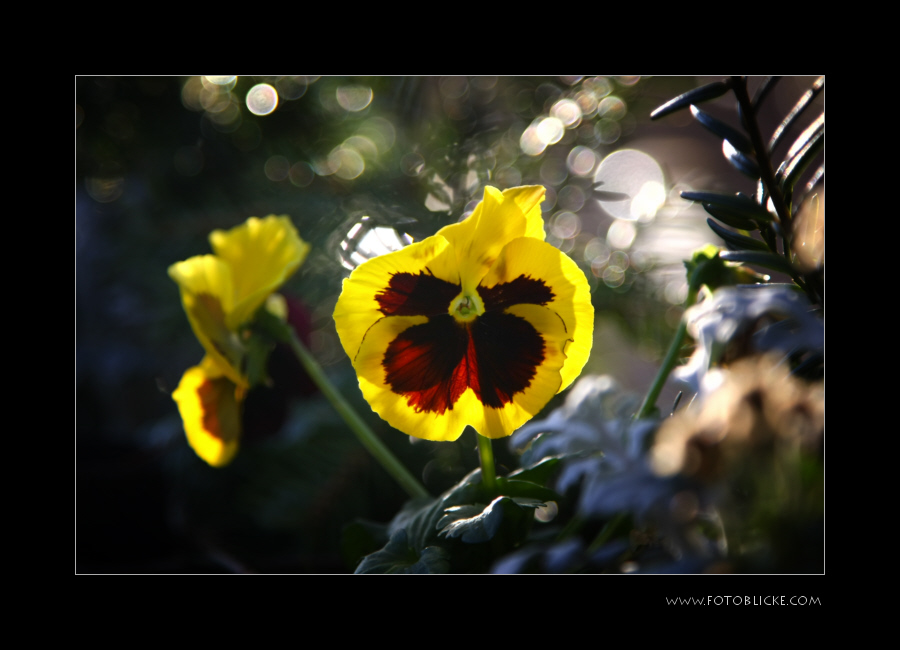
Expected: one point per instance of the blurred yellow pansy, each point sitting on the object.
(220, 293)
(480, 324)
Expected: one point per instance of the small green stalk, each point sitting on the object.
(368, 439)
(486, 454)
(672, 355)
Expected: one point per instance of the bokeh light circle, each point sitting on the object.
(262, 99)
(565, 225)
(531, 143)
(581, 161)
(567, 111)
(354, 98)
(221, 80)
(301, 174)
(277, 168)
(627, 172)
(571, 198)
(347, 162)
(621, 234)
(550, 130)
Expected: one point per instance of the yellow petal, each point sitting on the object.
(498, 219)
(262, 254)
(532, 258)
(207, 295)
(358, 308)
(209, 404)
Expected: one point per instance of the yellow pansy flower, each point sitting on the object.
(220, 293)
(480, 324)
(210, 407)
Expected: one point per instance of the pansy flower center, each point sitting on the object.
(466, 308)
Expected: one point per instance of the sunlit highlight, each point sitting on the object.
(611, 107)
(347, 163)
(550, 130)
(567, 111)
(649, 199)
(365, 241)
(628, 172)
(363, 145)
(354, 98)
(262, 99)
(380, 132)
(621, 234)
(531, 143)
(221, 80)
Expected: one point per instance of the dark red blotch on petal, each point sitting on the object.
(209, 393)
(428, 364)
(432, 364)
(416, 294)
(524, 290)
(508, 351)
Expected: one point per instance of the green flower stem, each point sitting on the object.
(368, 439)
(488, 473)
(672, 355)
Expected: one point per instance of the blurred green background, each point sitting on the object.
(361, 165)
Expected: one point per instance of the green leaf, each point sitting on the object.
(476, 524)
(399, 557)
(729, 218)
(740, 242)
(738, 204)
(765, 259)
(526, 489)
(695, 96)
(737, 139)
(539, 473)
(419, 517)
